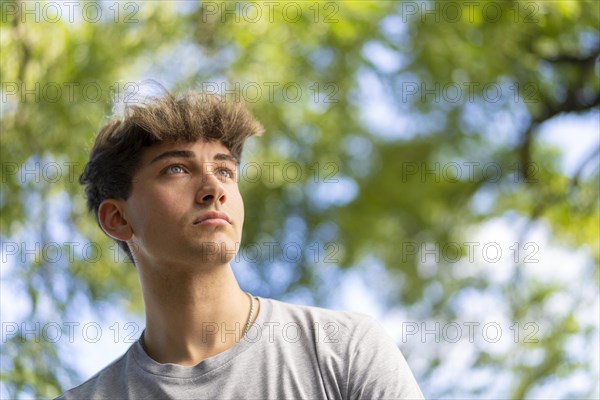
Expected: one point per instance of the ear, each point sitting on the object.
(112, 220)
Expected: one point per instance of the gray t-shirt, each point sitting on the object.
(290, 352)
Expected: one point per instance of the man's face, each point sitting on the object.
(185, 207)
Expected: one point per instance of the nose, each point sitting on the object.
(211, 190)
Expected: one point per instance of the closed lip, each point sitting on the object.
(212, 215)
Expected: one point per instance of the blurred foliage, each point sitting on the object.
(364, 56)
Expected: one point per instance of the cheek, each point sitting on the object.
(238, 206)
(149, 209)
(241, 206)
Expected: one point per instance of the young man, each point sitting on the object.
(162, 183)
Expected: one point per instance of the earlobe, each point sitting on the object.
(112, 220)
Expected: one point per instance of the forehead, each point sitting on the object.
(200, 148)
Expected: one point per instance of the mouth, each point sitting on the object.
(213, 218)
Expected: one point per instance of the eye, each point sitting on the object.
(173, 169)
(225, 173)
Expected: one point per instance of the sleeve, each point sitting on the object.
(377, 368)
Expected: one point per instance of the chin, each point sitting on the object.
(216, 252)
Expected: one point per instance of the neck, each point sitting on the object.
(192, 315)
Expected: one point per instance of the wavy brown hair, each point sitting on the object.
(116, 153)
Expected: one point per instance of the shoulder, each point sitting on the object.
(282, 311)
(103, 384)
(332, 330)
(353, 350)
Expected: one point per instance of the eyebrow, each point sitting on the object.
(190, 154)
(226, 157)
